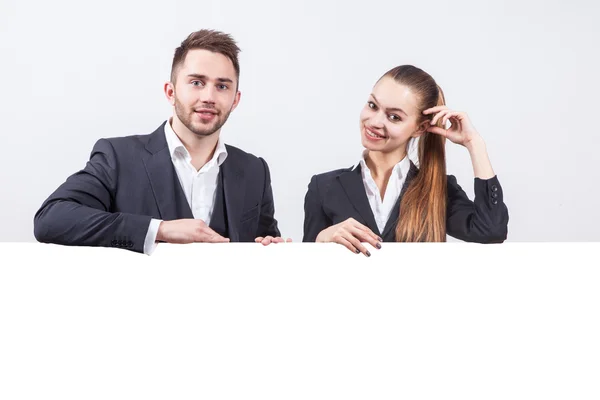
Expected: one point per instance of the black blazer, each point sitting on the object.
(129, 180)
(335, 196)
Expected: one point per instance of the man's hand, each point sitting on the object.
(187, 231)
(270, 239)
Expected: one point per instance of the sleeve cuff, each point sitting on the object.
(150, 241)
(489, 189)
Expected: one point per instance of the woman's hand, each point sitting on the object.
(461, 130)
(350, 233)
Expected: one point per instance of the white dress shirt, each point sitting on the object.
(200, 187)
(383, 208)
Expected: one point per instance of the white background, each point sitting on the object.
(525, 71)
(414, 321)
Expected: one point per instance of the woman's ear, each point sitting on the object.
(421, 128)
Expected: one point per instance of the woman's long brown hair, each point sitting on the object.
(423, 205)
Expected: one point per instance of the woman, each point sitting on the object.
(386, 198)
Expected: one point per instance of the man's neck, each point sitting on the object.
(201, 148)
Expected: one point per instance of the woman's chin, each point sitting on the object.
(367, 144)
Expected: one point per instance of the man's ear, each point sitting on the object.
(169, 89)
(236, 101)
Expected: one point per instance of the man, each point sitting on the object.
(180, 184)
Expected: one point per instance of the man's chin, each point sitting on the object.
(204, 130)
(203, 133)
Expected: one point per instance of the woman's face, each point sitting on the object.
(390, 117)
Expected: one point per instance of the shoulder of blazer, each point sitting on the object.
(240, 154)
(152, 142)
(246, 161)
(452, 183)
(325, 179)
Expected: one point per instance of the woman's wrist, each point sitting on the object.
(476, 146)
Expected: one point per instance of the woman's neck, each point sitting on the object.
(381, 164)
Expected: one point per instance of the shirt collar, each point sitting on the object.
(175, 146)
(401, 169)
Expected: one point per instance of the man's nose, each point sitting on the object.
(207, 95)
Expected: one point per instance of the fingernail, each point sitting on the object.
(357, 251)
(380, 239)
(368, 254)
(378, 246)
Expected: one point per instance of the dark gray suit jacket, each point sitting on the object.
(335, 196)
(130, 180)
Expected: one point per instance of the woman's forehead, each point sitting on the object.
(391, 94)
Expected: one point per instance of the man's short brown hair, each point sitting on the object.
(207, 39)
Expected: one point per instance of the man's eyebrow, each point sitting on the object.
(200, 76)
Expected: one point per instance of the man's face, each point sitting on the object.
(205, 91)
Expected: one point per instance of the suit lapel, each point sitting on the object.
(166, 188)
(234, 188)
(354, 187)
(395, 214)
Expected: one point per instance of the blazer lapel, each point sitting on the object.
(354, 187)
(166, 188)
(395, 214)
(234, 188)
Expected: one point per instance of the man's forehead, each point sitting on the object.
(206, 62)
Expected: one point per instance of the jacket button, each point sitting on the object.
(130, 244)
(494, 201)
(494, 195)
(113, 243)
(494, 188)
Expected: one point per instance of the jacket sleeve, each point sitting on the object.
(79, 213)
(315, 219)
(484, 220)
(267, 224)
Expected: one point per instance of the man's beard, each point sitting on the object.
(198, 128)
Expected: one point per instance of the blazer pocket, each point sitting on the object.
(250, 214)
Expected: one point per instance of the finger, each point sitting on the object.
(347, 244)
(216, 238)
(434, 109)
(258, 239)
(438, 131)
(267, 240)
(366, 229)
(358, 245)
(438, 116)
(366, 237)
(212, 236)
(288, 240)
(372, 234)
(454, 114)
(278, 240)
